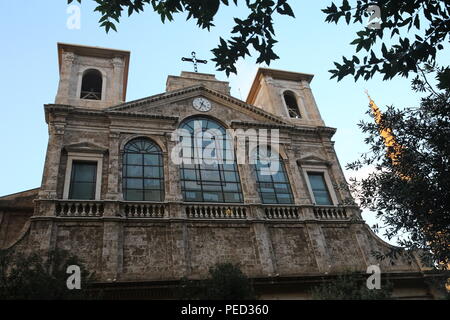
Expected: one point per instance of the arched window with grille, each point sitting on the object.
(271, 178)
(143, 176)
(91, 85)
(202, 182)
(291, 103)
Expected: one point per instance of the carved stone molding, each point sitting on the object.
(68, 56)
(114, 135)
(85, 147)
(314, 160)
(117, 62)
(58, 129)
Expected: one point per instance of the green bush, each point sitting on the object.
(350, 286)
(225, 282)
(35, 277)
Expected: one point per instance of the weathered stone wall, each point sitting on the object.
(172, 250)
(15, 213)
(343, 250)
(12, 225)
(147, 252)
(83, 240)
(217, 243)
(293, 253)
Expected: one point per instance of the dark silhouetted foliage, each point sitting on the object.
(33, 277)
(225, 282)
(350, 286)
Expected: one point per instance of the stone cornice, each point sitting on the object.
(120, 111)
(326, 131)
(142, 115)
(196, 88)
(102, 113)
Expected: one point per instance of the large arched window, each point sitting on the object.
(91, 85)
(143, 177)
(271, 178)
(291, 103)
(202, 181)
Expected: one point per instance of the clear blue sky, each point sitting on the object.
(29, 68)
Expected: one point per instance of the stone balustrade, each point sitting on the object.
(282, 212)
(131, 209)
(79, 208)
(330, 213)
(143, 209)
(225, 211)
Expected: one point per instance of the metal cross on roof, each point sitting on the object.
(194, 60)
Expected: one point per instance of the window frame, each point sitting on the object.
(160, 166)
(327, 180)
(221, 169)
(273, 183)
(83, 157)
(72, 176)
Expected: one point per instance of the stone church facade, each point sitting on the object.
(111, 194)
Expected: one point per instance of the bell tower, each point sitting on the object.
(91, 77)
(285, 94)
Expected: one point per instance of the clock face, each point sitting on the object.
(201, 104)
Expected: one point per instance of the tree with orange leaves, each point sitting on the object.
(410, 186)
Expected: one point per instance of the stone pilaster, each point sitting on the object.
(247, 175)
(64, 82)
(311, 106)
(264, 246)
(249, 191)
(337, 174)
(173, 187)
(296, 179)
(318, 244)
(113, 168)
(52, 161)
(180, 249)
(116, 90)
(112, 250)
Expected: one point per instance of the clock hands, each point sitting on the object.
(202, 104)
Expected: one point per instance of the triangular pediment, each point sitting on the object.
(174, 103)
(85, 147)
(313, 160)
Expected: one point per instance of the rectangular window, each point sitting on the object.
(319, 188)
(274, 187)
(83, 180)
